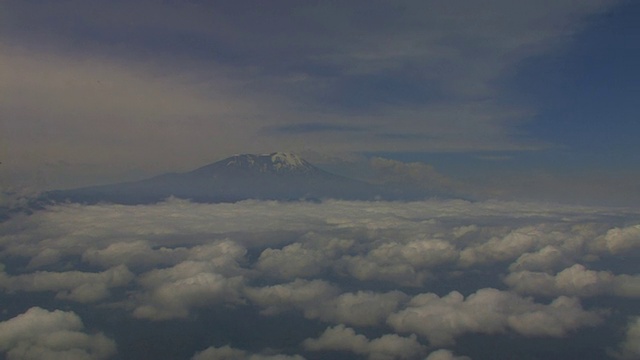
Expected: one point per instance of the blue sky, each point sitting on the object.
(586, 95)
(494, 93)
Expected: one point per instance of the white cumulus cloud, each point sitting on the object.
(629, 349)
(228, 353)
(77, 286)
(488, 311)
(42, 334)
(376, 267)
(386, 347)
(173, 292)
(576, 280)
(618, 240)
(444, 354)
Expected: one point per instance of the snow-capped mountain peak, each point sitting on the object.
(277, 162)
(287, 160)
(275, 176)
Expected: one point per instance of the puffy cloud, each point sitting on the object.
(305, 295)
(101, 231)
(488, 311)
(71, 285)
(443, 354)
(618, 240)
(336, 262)
(304, 258)
(43, 334)
(367, 269)
(420, 254)
(211, 273)
(229, 353)
(561, 316)
(386, 347)
(363, 308)
(72, 229)
(319, 299)
(629, 349)
(574, 281)
(503, 248)
(339, 338)
(45, 257)
(405, 263)
(136, 253)
(292, 261)
(224, 254)
(172, 292)
(546, 259)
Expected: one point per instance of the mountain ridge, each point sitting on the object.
(277, 162)
(275, 176)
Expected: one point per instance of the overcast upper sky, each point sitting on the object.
(520, 96)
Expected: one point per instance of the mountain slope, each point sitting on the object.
(276, 176)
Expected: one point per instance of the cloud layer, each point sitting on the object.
(42, 334)
(378, 280)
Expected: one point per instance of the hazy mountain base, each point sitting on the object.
(237, 178)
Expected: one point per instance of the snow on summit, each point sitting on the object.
(287, 160)
(274, 162)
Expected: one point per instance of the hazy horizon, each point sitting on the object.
(518, 100)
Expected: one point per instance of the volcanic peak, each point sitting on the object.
(277, 162)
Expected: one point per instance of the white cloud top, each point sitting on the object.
(436, 269)
(386, 347)
(229, 353)
(42, 334)
(489, 311)
(630, 348)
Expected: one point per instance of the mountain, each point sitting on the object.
(276, 176)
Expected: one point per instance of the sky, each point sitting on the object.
(512, 99)
(524, 112)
